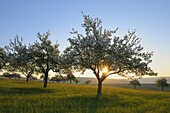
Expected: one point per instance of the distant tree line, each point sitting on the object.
(16, 76)
(161, 82)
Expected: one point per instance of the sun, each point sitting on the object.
(104, 70)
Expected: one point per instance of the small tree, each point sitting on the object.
(162, 83)
(7, 75)
(76, 81)
(135, 83)
(18, 58)
(53, 79)
(105, 54)
(13, 75)
(44, 55)
(70, 77)
(64, 79)
(16, 75)
(34, 78)
(87, 82)
(68, 72)
(57, 78)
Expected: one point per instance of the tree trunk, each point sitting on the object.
(99, 90)
(45, 79)
(162, 88)
(134, 86)
(28, 77)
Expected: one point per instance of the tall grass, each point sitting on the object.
(17, 96)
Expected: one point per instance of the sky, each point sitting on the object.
(150, 19)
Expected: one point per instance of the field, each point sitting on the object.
(17, 96)
(142, 87)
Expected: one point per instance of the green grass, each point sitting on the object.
(17, 96)
(142, 87)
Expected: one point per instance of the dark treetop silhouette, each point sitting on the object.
(162, 83)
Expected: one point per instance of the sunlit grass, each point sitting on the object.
(17, 96)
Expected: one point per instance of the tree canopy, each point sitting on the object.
(44, 55)
(41, 56)
(98, 50)
(70, 75)
(87, 82)
(161, 83)
(135, 83)
(18, 57)
(76, 81)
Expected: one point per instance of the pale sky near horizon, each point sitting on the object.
(151, 19)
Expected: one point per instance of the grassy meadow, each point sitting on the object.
(17, 96)
(142, 87)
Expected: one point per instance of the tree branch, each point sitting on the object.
(96, 73)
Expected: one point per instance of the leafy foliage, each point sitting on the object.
(87, 82)
(14, 75)
(76, 81)
(98, 49)
(135, 83)
(70, 77)
(18, 58)
(44, 55)
(34, 78)
(58, 78)
(162, 83)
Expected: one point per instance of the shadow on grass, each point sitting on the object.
(90, 103)
(79, 104)
(95, 103)
(24, 91)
